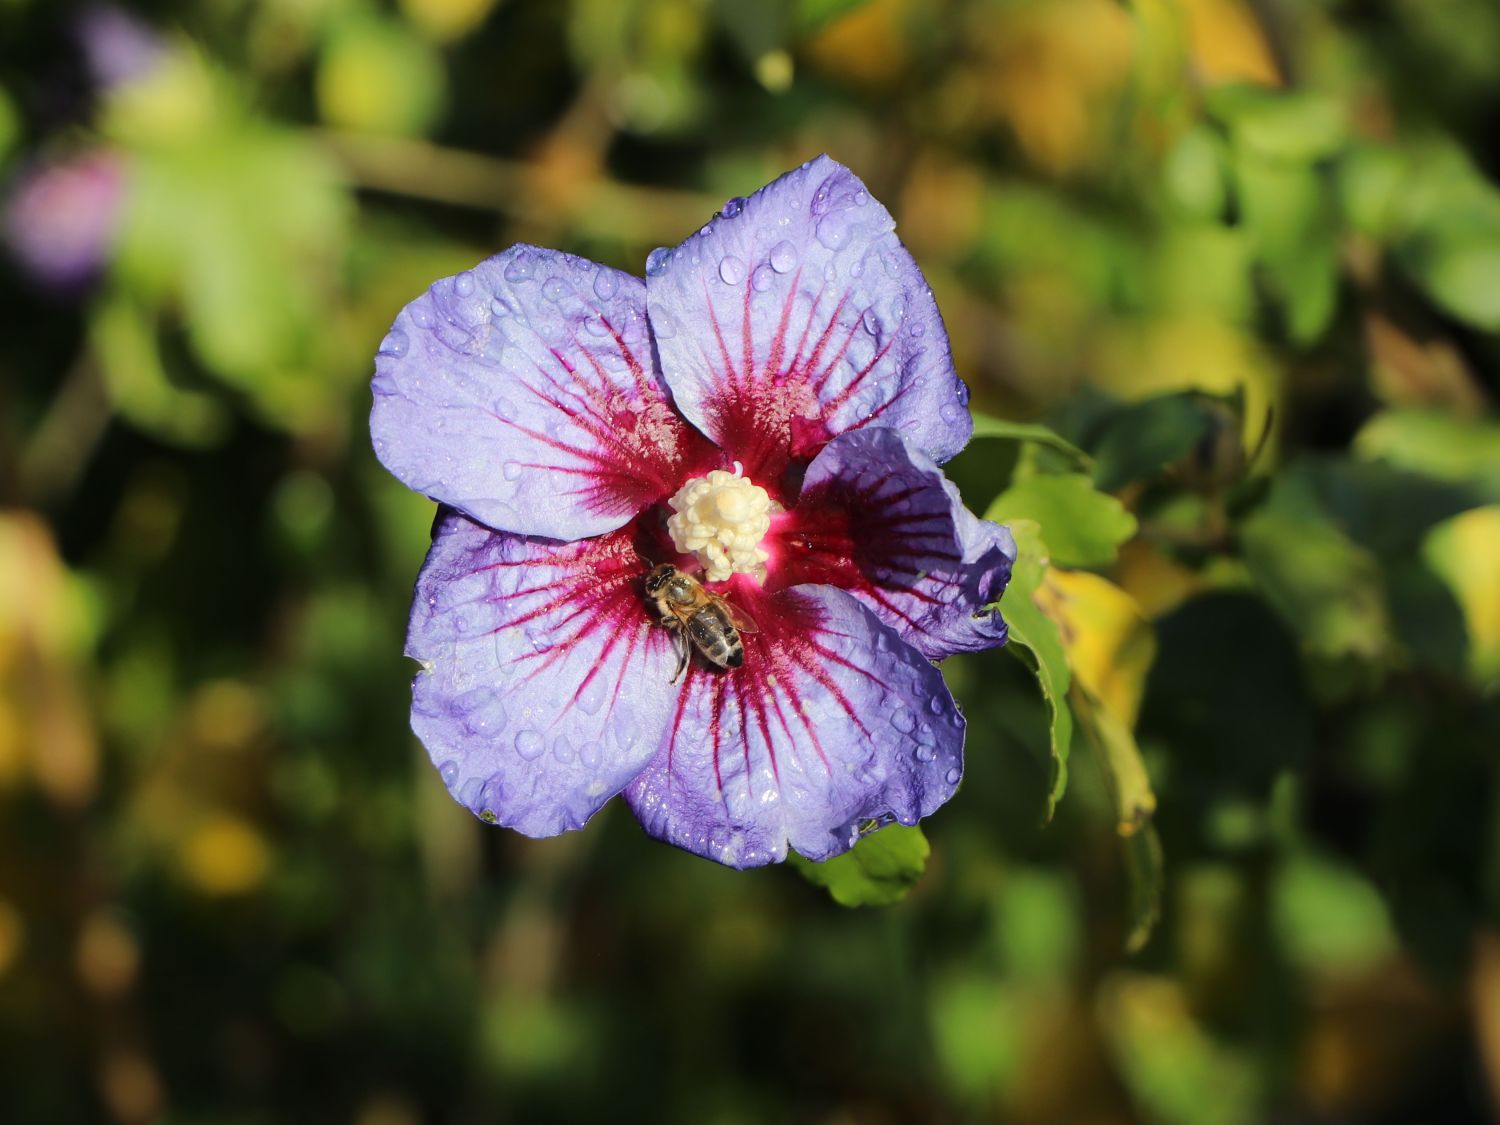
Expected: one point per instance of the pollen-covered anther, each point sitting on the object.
(722, 518)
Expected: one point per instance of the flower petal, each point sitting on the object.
(832, 725)
(544, 684)
(877, 517)
(524, 393)
(797, 315)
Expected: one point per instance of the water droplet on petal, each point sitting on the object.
(761, 279)
(394, 344)
(871, 322)
(554, 289)
(658, 259)
(529, 745)
(783, 256)
(595, 326)
(505, 408)
(860, 198)
(925, 753)
(857, 269)
(606, 284)
(463, 284)
(449, 773)
(421, 316)
(562, 749)
(663, 324)
(519, 269)
(950, 412)
(903, 720)
(731, 270)
(510, 470)
(732, 207)
(833, 231)
(591, 698)
(953, 775)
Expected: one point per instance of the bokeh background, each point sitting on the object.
(1241, 258)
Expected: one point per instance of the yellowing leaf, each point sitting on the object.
(1463, 552)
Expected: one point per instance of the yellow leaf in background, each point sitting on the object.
(443, 21)
(1110, 644)
(1188, 351)
(1110, 647)
(1055, 68)
(225, 855)
(1463, 552)
(867, 47)
(1227, 44)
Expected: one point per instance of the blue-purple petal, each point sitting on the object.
(877, 517)
(525, 393)
(797, 315)
(544, 685)
(832, 725)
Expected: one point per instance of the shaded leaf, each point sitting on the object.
(1145, 437)
(985, 426)
(877, 871)
(1145, 868)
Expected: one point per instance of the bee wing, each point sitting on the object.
(737, 617)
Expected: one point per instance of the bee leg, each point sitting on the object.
(682, 661)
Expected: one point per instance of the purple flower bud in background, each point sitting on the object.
(60, 218)
(117, 47)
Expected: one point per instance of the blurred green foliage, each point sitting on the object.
(1228, 843)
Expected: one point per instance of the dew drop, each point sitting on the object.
(925, 753)
(591, 754)
(860, 198)
(394, 344)
(917, 328)
(783, 256)
(950, 412)
(761, 279)
(903, 720)
(857, 269)
(872, 322)
(606, 284)
(519, 270)
(833, 231)
(505, 408)
(529, 745)
(732, 207)
(562, 749)
(554, 289)
(731, 270)
(657, 260)
(953, 775)
(449, 773)
(591, 698)
(421, 316)
(463, 284)
(510, 470)
(663, 324)
(595, 326)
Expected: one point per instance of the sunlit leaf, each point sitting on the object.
(1081, 525)
(1328, 918)
(1036, 641)
(1146, 870)
(1436, 444)
(877, 871)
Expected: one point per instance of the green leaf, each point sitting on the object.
(1462, 274)
(1037, 434)
(1037, 643)
(1143, 438)
(877, 871)
(1289, 213)
(1293, 127)
(814, 15)
(1146, 871)
(1081, 525)
(1437, 445)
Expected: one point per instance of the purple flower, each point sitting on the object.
(61, 217)
(766, 411)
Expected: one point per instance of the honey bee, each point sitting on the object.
(705, 621)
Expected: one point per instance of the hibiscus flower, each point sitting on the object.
(766, 412)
